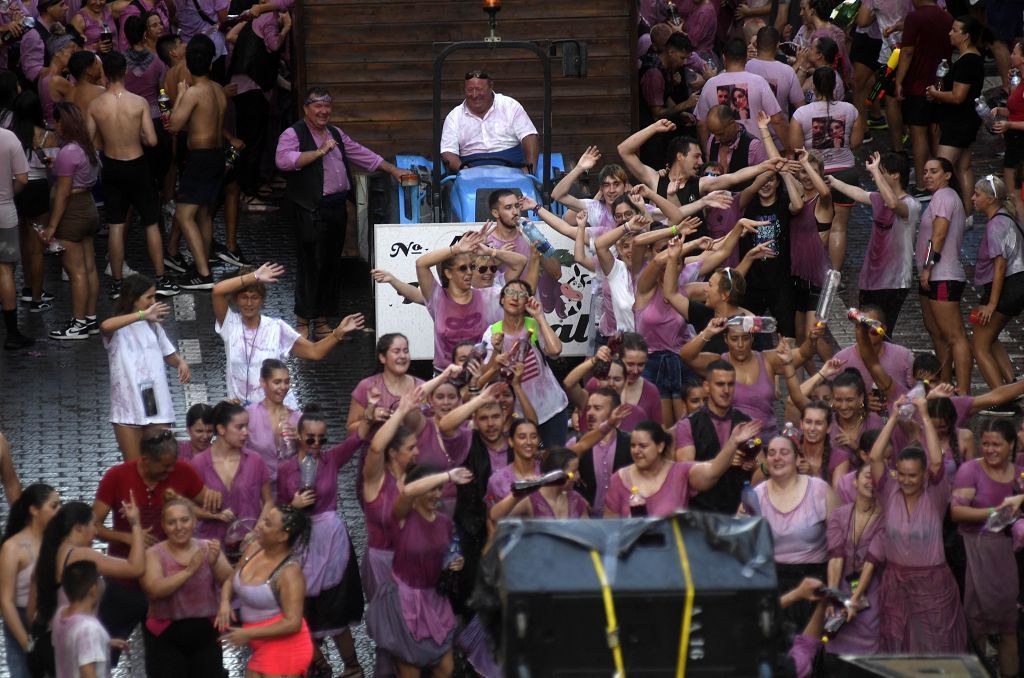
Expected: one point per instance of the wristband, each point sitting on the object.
(334, 333)
(991, 511)
(675, 230)
(142, 315)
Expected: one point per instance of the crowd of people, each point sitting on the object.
(713, 381)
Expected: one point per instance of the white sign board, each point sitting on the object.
(396, 248)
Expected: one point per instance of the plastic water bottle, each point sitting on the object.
(163, 102)
(828, 294)
(534, 235)
(907, 409)
(286, 445)
(454, 551)
(792, 432)
(307, 473)
(637, 504)
(874, 327)
(1000, 519)
(748, 498)
(982, 108)
(753, 324)
(1014, 79)
(941, 72)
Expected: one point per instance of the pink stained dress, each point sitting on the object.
(648, 408)
(578, 507)
(196, 599)
(444, 453)
(243, 497)
(755, 400)
(861, 635)
(991, 584)
(454, 323)
(920, 607)
(799, 534)
(674, 493)
(841, 453)
(263, 439)
(380, 549)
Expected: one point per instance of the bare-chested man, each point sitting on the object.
(87, 71)
(120, 123)
(199, 108)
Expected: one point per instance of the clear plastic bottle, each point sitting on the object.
(454, 551)
(534, 235)
(859, 317)
(1015, 78)
(792, 432)
(941, 72)
(753, 324)
(286, 440)
(637, 504)
(307, 473)
(908, 408)
(828, 294)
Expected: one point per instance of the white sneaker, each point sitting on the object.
(126, 270)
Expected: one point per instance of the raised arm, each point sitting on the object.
(376, 458)
(932, 444)
(425, 262)
(708, 184)
(528, 204)
(418, 488)
(411, 293)
(560, 192)
(704, 475)
(889, 197)
(853, 192)
(453, 420)
(223, 291)
(691, 352)
(629, 151)
(579, 250)
(804, 158)
(877, 454)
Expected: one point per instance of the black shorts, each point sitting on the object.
(1011, 300)
(958, 134)
(865, 50)
(33, 200)
(918, 111)
(848, 176)
(807, 295)
(200, 181)
(1014, 151)
(943, 290)
(128, 183)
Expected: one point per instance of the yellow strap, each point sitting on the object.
(684, 635)
(609, 610)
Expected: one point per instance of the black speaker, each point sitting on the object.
(906, 666)
(553, 616)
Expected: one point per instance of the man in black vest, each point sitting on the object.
(700, 437)
(605, 412)
(730, 144)
(314, 155)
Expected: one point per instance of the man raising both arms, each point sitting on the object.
(120, 121)
(200, 108)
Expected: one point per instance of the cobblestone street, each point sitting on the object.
(54, 404)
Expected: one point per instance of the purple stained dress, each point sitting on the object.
(198, 598)
(674, 493)
(408, 617)
(756, 400)
(243, 497)
(648, 408)
(262, 438)
(991, 584)
(380, 553)
(807, 253)
(454, 322)
(841, 453)
(920, 607)
(578, 507)
(444, 454)
(861, 635)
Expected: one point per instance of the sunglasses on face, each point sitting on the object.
(315, 440)
(462, 268)
(483, 269)
(517, 294)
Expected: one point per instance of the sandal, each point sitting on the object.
(321, 329)
(302, 327)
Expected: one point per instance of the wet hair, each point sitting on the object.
(165, 44)
(944, 410)
(80, 62)
(719, 365)
(826, 451)
(519, 422)
(311, 415)
(402, 434)
(824, 79)
(994, 187)
(767, 38)
(851, 377)
(199, 55)
(731, 284)
(556, 459)
(224, 412)
(296, 524)
(269, 366)
(135, 29)
(114, 65)
(633, 341)
(679, 146)
(198, 412)
(613, 171)
(789, 441)
(132, 289)
(913, 453)
(497, 195)
(33, 496)
(678, 42)
(896, 163)
(26, 116)
(384, 345)
(1002, 427)
(657, 434)
(608, 392)
(624, 200)
(926, 362)
(735, 50)
(947, 167)
(972, 28)
(158, 443)
(70, 516)
(864, 444)
(78, 579)
(73, 129)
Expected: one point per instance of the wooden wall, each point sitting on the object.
(376, 56)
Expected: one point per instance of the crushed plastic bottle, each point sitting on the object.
(753, 324)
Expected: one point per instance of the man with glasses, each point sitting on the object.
(729, 144)
(488, 124)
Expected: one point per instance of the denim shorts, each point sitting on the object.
(665, 370)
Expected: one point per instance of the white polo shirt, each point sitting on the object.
(503, 126)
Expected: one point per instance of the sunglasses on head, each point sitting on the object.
(315, 440)
(483, 269)
(482, 75)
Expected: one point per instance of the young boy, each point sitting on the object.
(80, 643)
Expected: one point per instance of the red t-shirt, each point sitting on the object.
(926, 30)
(123, 480)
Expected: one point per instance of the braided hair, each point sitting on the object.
(297, 524)
(826, 452)
(944, 410)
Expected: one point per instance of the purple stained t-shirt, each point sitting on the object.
(648, 408)
(913, 539)
(242, 497)
(799, 534)
(674, 493)
(454, 323)
(781, 79)
(1002, 238)
(889, 264)
(896, 360)
(988, 493)
(72, 162)
(946, 204)
(143, 77)
(746, 93)
(827, 127)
